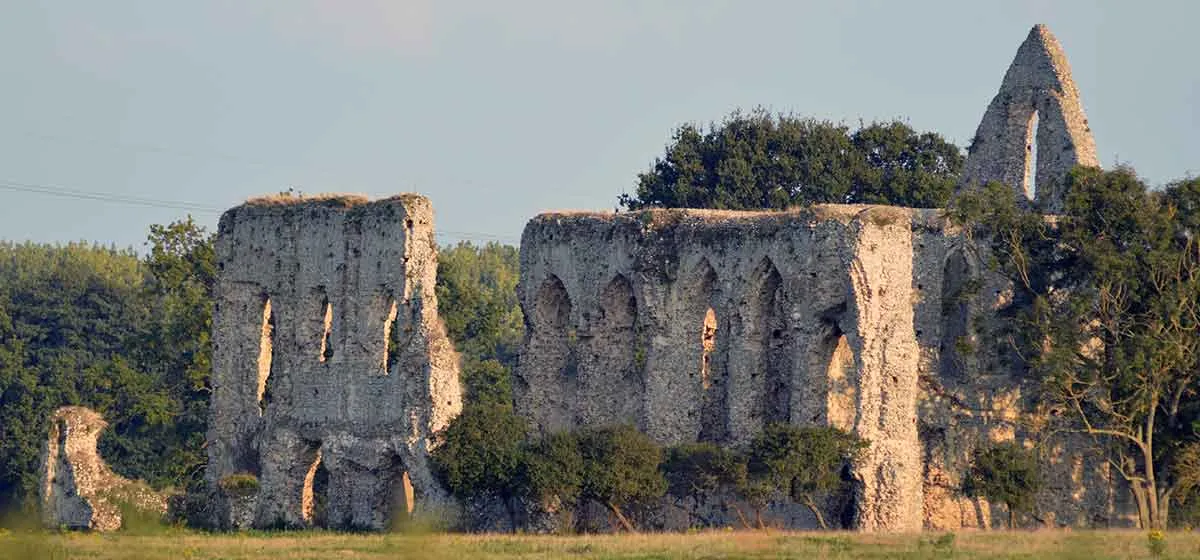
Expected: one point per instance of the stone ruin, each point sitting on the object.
(1037, 94)
(78, 490)
(330, 361)
(331, 368)
(699, 325)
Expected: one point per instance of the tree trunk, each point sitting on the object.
(808, 501)
(621, 517)
(1139, 497)
(1012, 518)
(741, 516)
(758, 518)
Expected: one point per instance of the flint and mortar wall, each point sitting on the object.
(328, 352)
(875, 319)
(813, 324)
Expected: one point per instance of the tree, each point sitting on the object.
(801, 462)
(552, 474)
(1109, 310)
(477, 296)
(620, 467)
(757, 160)
(483, 453)
(695, 470)
(1006, 473)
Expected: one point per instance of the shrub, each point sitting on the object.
(1006, 473)
(483, 453)
(698, 469)
(620, 467)
(239, 484)
(802, 462)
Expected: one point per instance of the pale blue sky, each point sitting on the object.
(499, 110)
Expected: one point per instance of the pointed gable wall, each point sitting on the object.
(1037, 84)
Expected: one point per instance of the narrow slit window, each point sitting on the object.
(1031, 151)
(389, 338)
(266, 354)
(708, 343)
(327, 334)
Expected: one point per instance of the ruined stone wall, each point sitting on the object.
(78, 490)
(702, 326)
(1037, 94)
(329, 361)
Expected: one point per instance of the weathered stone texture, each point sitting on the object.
(329, 354)
(1037, 89)
(879, 320)
(616, 308)
(80, 491)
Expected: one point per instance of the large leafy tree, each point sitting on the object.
(477, 296)
(99, 327)
(1110, 311)
(758, 160)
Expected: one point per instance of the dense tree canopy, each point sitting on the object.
(95, 326)
(1108, 316)
(759, 160)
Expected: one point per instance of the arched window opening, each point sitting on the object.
(956, 340)
(266, 354)
(400, 496)
(1031, 153)
(708, 343)
(327, 333)
(840, 406)
(312, 496)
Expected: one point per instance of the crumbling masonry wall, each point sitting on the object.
(1039, 94)
(329, 362)
(702, 325)
(813, 324)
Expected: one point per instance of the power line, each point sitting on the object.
(114, 198)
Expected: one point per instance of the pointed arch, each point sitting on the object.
(610, 378)
(958, 282)
(551, 336)
(774, 340)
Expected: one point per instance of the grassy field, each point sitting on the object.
(180, 545)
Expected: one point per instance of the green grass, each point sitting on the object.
(178, 544)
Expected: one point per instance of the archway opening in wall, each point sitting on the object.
(391, 350)
(266, 354)
(400, 497)
(554, 333)
(775, 357)
(956, 340)
(314, 497)
(1031, 153)
(327, 332)
(708, 344)
(615, 357)
(841, 376)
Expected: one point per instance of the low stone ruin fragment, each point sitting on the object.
(331, 369)
(80, 491)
